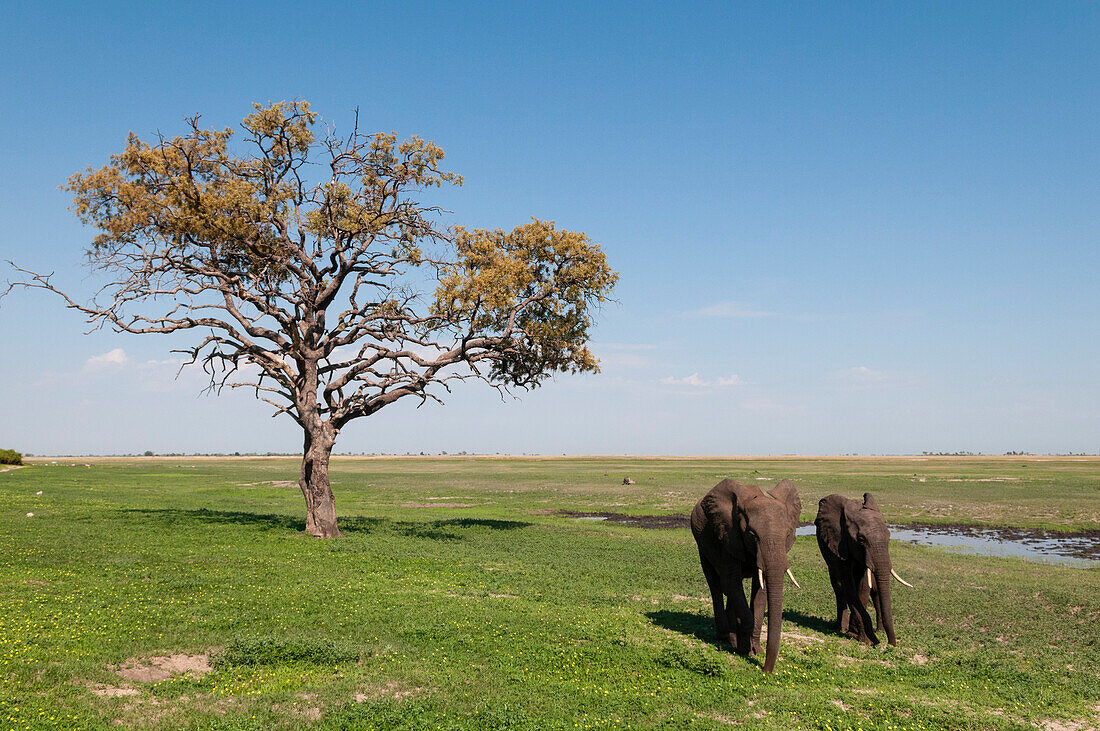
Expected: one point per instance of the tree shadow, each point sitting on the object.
(484, 523)
(360, 524)
(439, 530)
(265, 521)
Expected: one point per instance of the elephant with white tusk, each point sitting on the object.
(745, 533)
(854, 542)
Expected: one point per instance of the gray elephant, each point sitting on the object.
(744, 533)
(854, 542)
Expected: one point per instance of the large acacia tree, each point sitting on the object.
(311, 273)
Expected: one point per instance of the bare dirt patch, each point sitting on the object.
(801, 639)
(642, 521)
(161, 667)
(150, 710)
(438, 505)
(110, 691)
(310, 713)
(1056, 725)
(304, 709)
(393, 689)
(273, 483)
(6, 468)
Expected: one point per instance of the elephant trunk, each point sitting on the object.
(882, 585)
(773, 578)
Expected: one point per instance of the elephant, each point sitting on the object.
(744, 533)
(854, 542)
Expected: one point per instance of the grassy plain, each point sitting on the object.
(458, 600)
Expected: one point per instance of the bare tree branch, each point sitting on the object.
(317, 278)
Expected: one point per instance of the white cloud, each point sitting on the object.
(863, 374)
(694, 381)
(730, 310)
(146, 375)
(867, 378)
(111, 358)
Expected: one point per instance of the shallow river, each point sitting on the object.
(1077, 550)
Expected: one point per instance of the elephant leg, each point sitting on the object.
(759, 599)
(867, 632)
(837, 580)
(876, 600)
(714, 583)
(740, 610)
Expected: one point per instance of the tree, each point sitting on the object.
(316, 278)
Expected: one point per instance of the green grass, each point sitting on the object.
(502, 615)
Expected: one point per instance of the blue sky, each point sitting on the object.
(841, 227)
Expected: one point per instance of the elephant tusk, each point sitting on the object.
(793, 579)
(760, 575)
(870, 582)
(895, 575)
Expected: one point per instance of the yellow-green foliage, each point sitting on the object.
(536, 280)
(280, 220)
(10, 456)
(192, 195)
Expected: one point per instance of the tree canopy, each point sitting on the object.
(314, 275)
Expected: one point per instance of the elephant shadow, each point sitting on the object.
(701, 626)
(809, 621)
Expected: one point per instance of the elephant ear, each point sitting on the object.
(831, 525)
(724, 509)
(869, 502)
(742, 496)
(717, 509)
(786, 493)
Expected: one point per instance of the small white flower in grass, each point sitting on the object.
(38, 493)
(30, 515)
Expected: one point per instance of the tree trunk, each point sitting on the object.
(320, 502)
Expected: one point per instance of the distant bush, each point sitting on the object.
(281, 650)
(10, 456)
